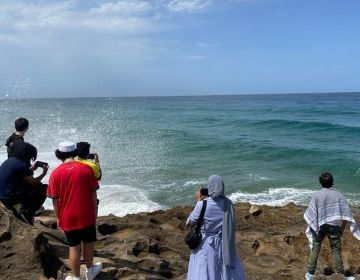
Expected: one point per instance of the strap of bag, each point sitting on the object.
(201, 217)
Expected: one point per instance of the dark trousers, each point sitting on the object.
(30, 201)
(334, 235)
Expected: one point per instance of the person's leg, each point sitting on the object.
(88, 253)
(32, 201)
(74, 258)
(88, 239)
(37, 197)
(334, 236)
(73, 238)
(82, 253)
(314, 254)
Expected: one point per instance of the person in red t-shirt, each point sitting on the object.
(72, 187)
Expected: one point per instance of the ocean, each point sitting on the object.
(156, 151)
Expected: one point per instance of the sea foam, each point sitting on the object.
(121, 200)
(274, 196)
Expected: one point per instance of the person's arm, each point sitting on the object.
(55, 202)
(94, 198)
(97, 162)
(195, 214)
(34, 181)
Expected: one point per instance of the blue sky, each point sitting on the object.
(58, 48)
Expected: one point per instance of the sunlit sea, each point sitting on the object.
(156, 151)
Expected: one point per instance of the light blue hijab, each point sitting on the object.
(215, 186)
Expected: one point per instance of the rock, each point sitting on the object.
(151, 246)
(255, 210)
(106, 228)
(255, 245)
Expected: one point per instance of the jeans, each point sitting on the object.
(334, 235)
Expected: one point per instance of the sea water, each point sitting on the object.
(156, 151)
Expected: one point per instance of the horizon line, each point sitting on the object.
(185, 95)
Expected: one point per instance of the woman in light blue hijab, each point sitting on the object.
(216, 257)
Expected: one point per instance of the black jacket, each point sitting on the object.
(10, 142)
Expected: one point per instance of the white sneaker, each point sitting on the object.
(69, 277)
(350, 278)
(93, 271)
(309, 276)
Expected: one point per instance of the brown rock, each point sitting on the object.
(255, 210)
(151, 246)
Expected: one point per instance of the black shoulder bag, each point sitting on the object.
(194, 236)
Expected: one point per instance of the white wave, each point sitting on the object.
(357, 172)
(275, 197)
(120, 200)
(257, 177)
(191, 183)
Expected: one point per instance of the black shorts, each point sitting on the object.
(75, 237)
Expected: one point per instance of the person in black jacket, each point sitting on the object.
(18, 186)
(21, 126)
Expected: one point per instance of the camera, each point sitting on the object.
(41, 164)
(90, 156)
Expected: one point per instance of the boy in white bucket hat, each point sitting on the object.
(72, 187)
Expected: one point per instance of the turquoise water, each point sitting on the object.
(156, 151)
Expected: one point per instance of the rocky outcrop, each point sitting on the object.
(271, 243)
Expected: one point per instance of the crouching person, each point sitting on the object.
(20, 191)
(72, 187)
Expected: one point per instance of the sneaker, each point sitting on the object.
(350, 278)
(69, 277)
(309, 276)
(93, 271)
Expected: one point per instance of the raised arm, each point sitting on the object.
(34, 181)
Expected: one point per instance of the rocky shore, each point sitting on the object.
(270, 241)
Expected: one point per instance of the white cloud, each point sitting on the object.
(9, 38)
(70, 27)
(188, 5)
(22, 16)
(122, 7)
(126, 16)
(120, 16)
(206, 45)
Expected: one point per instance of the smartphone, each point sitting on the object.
(41, 164)
(90, 156)
(204, 192)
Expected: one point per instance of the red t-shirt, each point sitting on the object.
(73, 183)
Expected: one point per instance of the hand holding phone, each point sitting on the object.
(90, 156)
(41, 164)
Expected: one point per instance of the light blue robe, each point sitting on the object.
(206, 261)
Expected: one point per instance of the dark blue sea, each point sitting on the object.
(156, 151)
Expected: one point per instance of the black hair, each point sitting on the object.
(24, 151)
(83, 149)
(21, 124)
(64, 155)
(326, 180)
